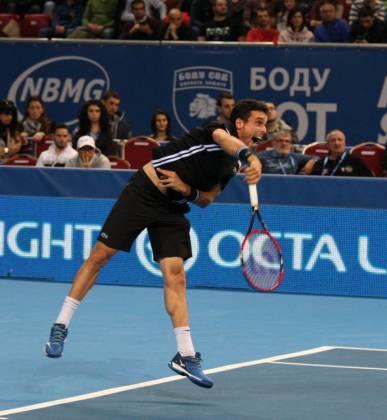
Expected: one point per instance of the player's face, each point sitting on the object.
(35, 110)
(62, 138)
(255, 126)
(94, 113)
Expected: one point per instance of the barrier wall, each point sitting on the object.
(333, 232)
(317, 87)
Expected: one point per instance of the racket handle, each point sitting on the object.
(253, 196)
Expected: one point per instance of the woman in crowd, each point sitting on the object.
(93, 121)
(296, 31)
(10, 131)
(161, 127)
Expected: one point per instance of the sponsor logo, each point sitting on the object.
(63, 82)
(195, 91)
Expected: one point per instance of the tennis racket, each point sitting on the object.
(261, 255)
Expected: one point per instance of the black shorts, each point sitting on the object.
(141, 205)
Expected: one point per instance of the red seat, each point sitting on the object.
(21, 160)
(267, 144)
(138, 151)
(31, 25)
(316, 149)
(371, 154)
(5, 18)
(118, 163)
(44, 144)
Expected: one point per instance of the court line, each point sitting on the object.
(359, 348)
(329, 366)
(111, 391)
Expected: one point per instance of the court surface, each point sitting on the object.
(271, 356)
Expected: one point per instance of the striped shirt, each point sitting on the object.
(378, 8)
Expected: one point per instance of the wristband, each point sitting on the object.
(194, 195)
(243, 154)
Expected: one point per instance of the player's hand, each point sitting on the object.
(253, 171)
(170, 179)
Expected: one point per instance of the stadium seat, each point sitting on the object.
(21, 160)
(371, 154)
(118, 163)
(267, 144)
(31, 25)
(5, 18)
(138, 151)
(44, 144)
(316, 149)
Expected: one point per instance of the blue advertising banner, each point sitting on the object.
(316, 88)
(338, 251)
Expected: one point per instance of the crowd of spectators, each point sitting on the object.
(290, 21)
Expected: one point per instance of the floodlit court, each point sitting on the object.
(271, 356)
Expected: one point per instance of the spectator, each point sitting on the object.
(201, 11)
(331, 29)
(61, 151)
(368, 29)
(221, 27)
(161, 127)
(35, 124)
(65, 19)
(281, 159)
(97, 20)
(10, 137)
(174, 29)
(281, 18)
(342, 11)
(143, 27)
(377, 6)
(88, 156)
(384, 163)
(120, 126)
(338, 162)
(225, 104)
(296, 31)
(94, 121)
(276, 124)
(262, 30)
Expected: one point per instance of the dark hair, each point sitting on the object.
(244, 107)
(110, 94)
(366, 11)
(85, 124)
(8, 107)
(137, 2)
(223, 95)
(43, 120)
(58, 126)
(153, 122)
(291, 15)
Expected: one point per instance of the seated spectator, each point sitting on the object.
(120, 126)
(97, 20)
(276, 124)
(59, 152)
(88, 156)
(377, 6)
(262, 28)
(281, 17)
(66, 18)
(296, 31)
(368, 29)
(201, 11)
(93, 121)
(282, 160)
(11, 140)
(174, 29)
(221, 27)
(225, 104)
(161, 127)
(338, 162)
(384, 163)
(35, 124)
(331, 29)
(342, 11)
(144, 27)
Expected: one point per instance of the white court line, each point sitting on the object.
(359, 348)
(117, 390)
(329, 366)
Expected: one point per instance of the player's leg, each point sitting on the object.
(186, 362)
(83, 282)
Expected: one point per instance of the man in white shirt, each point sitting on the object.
(61, 151)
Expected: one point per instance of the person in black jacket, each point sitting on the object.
(119, 124)
(368, 29)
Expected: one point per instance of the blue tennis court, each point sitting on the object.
(272, 356)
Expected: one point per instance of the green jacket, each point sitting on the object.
(101, 12)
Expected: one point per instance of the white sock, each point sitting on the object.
(184, 341)
(69, 307)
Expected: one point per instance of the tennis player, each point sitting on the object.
(193, 169)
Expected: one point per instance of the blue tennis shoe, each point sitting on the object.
(190, 367)
(55, 344)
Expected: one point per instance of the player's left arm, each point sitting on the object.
(170, 179)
